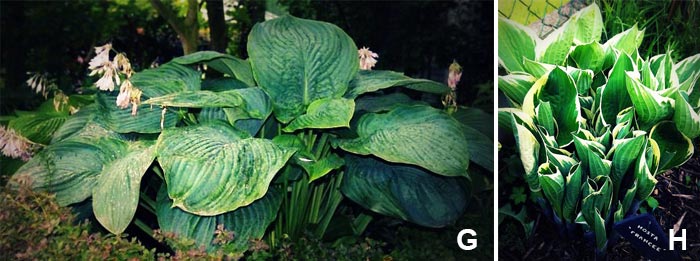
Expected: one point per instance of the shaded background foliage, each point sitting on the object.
(420, 38)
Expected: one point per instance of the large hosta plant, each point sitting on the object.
(282, 137)
(594, 123)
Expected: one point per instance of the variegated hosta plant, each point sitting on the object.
(595, 122)
(292, 130)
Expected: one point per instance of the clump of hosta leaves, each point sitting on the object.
(282, 138)
(595, 122)
(34, 227)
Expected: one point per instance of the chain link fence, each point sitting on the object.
(543, 16)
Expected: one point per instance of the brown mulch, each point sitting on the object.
(678, 194)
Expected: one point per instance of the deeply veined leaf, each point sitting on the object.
(246, 223)
(515, 86)
(38, 127)
(147, 120)
(555, 47)
(686, 118)
(297, 61)
(480, 147)
(403, 192)
(589, 56)
(166, 79)
(212, 168)
(379, 103)
(560, 91)
(70, 168)
(370, 81)
(418, 135)
(515, 42)
(324, 114)
(116, 194)
(222, 84)
(199, 99)
(588, 25)
(614, 97)
(553, 186)
(675, 148)
(649, 105)
(224, 63)
(529, 149)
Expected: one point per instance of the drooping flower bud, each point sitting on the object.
(367, 60)
(454, 75)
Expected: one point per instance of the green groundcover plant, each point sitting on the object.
(594, 122)
(233, 146)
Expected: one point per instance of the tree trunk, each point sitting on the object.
(217, 25)
(186, 28)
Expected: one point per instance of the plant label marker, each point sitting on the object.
(646, 235)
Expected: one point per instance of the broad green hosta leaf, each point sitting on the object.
(249, 222)
(199, 99)
(324, 114)
(147, 120)
(319, 168)
(515, 42)
(553, 185)
(529, 149)
(647, 77)
(560, 91)
(379, 103)
(614, 97)
(403, 192)
(588, 25)
(589, 56)
(371, 81)
(583, 80)
(75, 123)
(480, 147)
(475, 118)
(688, 68)
(418, 135)
(592, 158)
(662, 67)
(627, 41)
(625, 152)
(515, 86)
(572, 193)
(555, 47)
(38, 127)
(70, 168)
(644, 177)
(116, 194)
(297, 61)
(685, 117)
(166, 79)
(212, 168)
(543, 114)
(675, 148)
(223, 63)
(537, 69)
(649, 105)
(222, 84)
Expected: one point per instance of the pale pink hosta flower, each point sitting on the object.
(367, 60)
(106, 82)
(101, 58)
(14, 145)
(454, 75)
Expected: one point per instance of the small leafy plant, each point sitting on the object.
(281, 137)
(594, 123)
